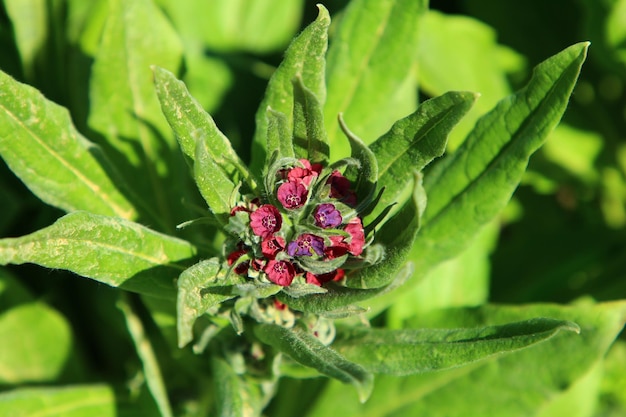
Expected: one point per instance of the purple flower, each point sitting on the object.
(326, 216)
(280, 272)
(265, 221)
(305, 245)
(292, 195)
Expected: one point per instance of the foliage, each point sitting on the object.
(262, 222)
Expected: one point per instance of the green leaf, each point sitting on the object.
(214, 184)
(188, 120)
(370, 68)
(339, 300)
(305, 58)
(307, 350)
(364, 177)
(396, 236)
(521, 383)
(309, 133)
(236, 397)
(413, 142)
(69, 401)
(124, 108)
(470, 187)
(146, 353)
(36, 344)
(201, 287)
(113, 251)
(412, 351)
(41, 146)
(279, 138)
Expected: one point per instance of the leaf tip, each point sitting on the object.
(323, 14)
(571, 327)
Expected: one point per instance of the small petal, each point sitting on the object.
(292, 195)
(265, 221)
(336, 275)
(280, 272)
(241, 268)
(357, 236)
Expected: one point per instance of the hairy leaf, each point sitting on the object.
(309, 351)
(305, 58)
(412, 351)
(113, 251)
(43, 148)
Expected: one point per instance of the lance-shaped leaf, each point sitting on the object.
(42, 147)
(309, 351)
(201, 287)
(124, 108)
(365, 176)
(396, 237)
(413, 142)
(189, 121)
(412, 351)
(236, 396)
(339, 301)
(528, 382)
(466, 190)
(370, 68)
(279, 138)
(305, 57)
(111, 250)
(309, 133)
(215, 185)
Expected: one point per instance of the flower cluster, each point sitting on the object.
(306, 230)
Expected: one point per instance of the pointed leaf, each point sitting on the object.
(43, 148)
(215, 185)
(305, 57)
(405, 352)
(188, 120)
(279, 138)
(113, 251)
(200, 287)
(309, 351)
(364, 177)
(466, 190)
(525, 382)
(413, 142)
(370, 68)
(309, 133)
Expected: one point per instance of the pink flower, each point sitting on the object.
(306, 245)
(357, 236)
(271, 246)
(340, 188)
(280, 272)
(265, 221)
(320, 279)
(292, 195)
(326, 216)
(304, 175)
(337, 249)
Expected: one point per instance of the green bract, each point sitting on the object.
(283, 257)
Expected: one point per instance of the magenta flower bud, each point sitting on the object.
(280, 272)
(340, 188)
(357, 236)
(326, 216)
(292, 195)
(306, 245)
(265, 221)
